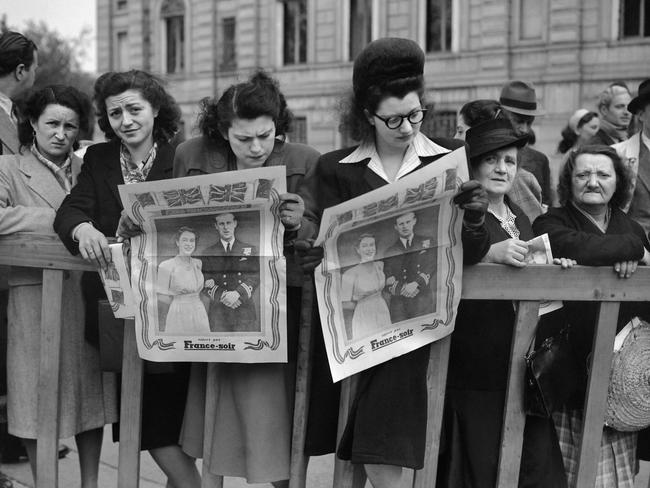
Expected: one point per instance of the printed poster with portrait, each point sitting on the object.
(208, 272)
(390, 279)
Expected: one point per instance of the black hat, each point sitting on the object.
(385, 60)
(491, 135)
(519, 97)
(642, 99)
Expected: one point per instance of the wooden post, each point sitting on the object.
(514, 417)
(47, 461)
(299, 462)
(209, 480)
(347, 475)
(436, 384)
(596, 403)
(130, 411)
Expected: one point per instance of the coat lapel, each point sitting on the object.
(8, 133)
(163, 164)
(42, 181)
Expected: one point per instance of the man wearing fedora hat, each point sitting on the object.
(636, 153)
(615, 117)
(519, 105)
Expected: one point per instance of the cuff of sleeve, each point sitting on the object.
(245, 291)
(76, 229)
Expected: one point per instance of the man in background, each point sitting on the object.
(614, 115)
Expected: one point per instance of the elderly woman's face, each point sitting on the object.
(132, 118)
(391, 107)
(593, 181)
(55, 131)
(186, 243)
(497, 170)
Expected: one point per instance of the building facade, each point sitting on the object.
(569, 49)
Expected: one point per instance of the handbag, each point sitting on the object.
(552, 375)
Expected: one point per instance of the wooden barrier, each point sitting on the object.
(482, 282)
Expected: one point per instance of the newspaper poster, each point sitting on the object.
(208, 271)
(117, 282)
(390, 279)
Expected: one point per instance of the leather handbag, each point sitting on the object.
(553, 375)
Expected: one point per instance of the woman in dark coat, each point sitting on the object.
(591, 228)
(386, 427)
(139, 118)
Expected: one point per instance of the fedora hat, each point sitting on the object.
(519, 97)
(642, 99)
(491, 135)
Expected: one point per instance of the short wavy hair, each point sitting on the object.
(190, 230)
(15, 49)
(152, 89)
(259, 96)
(623, 178)
(37, 101)
(353, 120)
(607, 95)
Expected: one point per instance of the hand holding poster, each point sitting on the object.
(208, 272)
(117, 283)
(390, 280)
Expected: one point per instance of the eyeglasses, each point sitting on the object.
(396, 121)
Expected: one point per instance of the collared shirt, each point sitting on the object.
(421, 146)
(227, 245)
(406, 243)
(136, 172)
(7, 105)
(63, 173)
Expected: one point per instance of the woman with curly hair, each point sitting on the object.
(138, 117)
(246, 128)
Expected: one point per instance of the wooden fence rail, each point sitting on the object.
(483, 282)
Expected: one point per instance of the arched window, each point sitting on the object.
(172, 14)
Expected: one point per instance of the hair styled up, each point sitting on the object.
(478, 111)
(569, 136)
(15, 49)
(623, 178)
(152, 90)
(181, 230)
(37, 101)
(259, 96)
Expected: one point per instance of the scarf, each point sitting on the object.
(63, 173)
(133, 172)
(616, 132)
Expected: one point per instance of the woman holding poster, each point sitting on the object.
(386, 427)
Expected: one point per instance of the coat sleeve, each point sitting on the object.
(588, 249)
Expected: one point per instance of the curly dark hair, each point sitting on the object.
(623, 178)
(152, 89)
(259, 96)
(478, 111)
(353, 119)
(37, 101)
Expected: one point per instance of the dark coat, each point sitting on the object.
(573, 236)
(237, 270)
(601, 138)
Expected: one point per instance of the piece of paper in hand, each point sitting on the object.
(117, 283)
(539, 252)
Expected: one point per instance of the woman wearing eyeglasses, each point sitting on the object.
(386, 427)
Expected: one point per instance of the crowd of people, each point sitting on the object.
(594, 206)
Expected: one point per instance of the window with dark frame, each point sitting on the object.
(228, 52)
(121, 61)
(438, 22)
(530, 24)
(295, 31)
(172, 13)
(635, 18)
(360, 26)
(298, 130)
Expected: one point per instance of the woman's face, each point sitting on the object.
(497, 170)
(461, 128)
(251, 140)
(132, 118)
(401, 137)
(593, 181)
(366, 249)
(55, 131)
(186, 243)
(587, 130)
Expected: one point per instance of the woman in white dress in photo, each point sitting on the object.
(180, 282)
(361, 288)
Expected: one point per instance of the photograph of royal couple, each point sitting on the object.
(388, 287)
(215, 292)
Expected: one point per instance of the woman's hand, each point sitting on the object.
(291, 210)
(625, 269)
(511, 252)
(126, 228)
(308, 256)
(472, 198)
(93, 246)
(566, 263)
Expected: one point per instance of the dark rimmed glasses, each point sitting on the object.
(396, 121)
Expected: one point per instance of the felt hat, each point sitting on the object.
(491, 135)
(628, 396)
(519, 97)
(642, 99)
(385, 60)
